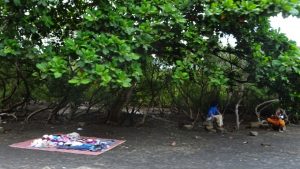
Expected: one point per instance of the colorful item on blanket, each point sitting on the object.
(72, 141)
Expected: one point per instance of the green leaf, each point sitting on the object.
(8, 50)
(126, 82)
(294, 12)
(17, 2)
(74, 81)
(99, 69)
(47, 20)
(70, 43)
(228, 3)
(106, 78)
(89, 18)
(57, 74)
(105, 51)
(85, 81)
(42, 66)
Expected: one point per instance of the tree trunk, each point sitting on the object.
(116, 108)
(237, 116)
(53, 114)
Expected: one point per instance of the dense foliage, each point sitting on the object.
(150, 53)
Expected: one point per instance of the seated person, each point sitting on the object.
(215, 115)
(278, 120)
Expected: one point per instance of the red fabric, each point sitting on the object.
(26, 145)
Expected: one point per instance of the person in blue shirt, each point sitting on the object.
(214, 114)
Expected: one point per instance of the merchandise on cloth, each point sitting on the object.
(72, 141)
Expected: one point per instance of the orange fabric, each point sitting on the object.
(276, 121)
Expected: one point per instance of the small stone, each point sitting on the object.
(209, 127)
(188, 126)
(265, 144)
(46, 167)
(173, 143)
(197, 137)
(212, 130)
(84, 167)
(253, 133)
(81, 124)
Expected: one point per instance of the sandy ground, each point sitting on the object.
(150, 147)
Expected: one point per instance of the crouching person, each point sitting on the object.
(214, 116)
(278, 121)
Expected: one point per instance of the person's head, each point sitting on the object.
(279, 111)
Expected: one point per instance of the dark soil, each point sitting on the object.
(158, 144)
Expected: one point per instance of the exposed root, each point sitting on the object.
(9, 114)
(35, 112)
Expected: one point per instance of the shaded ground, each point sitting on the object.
(150, 147)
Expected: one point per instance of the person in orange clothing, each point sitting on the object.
(278, 120)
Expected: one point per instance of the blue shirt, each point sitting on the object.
(213, 111)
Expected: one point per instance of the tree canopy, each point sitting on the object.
(79, 45)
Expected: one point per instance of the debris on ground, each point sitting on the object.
(212, 130)
(253, 133)
(188, 126)
(265, 144)
(197, 137)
